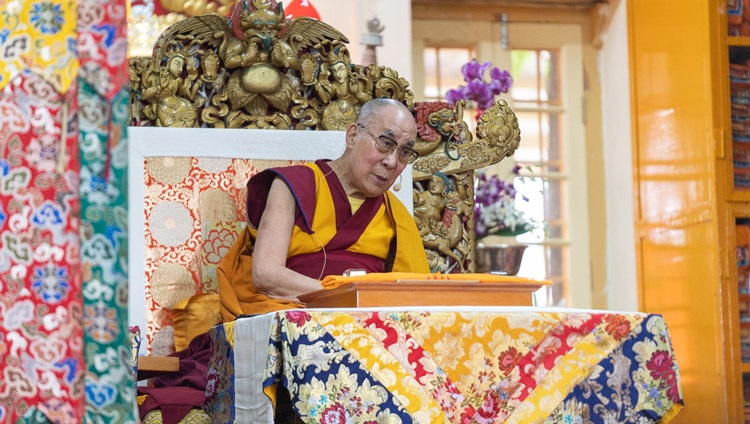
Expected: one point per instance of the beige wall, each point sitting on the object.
(350, 17)
(621, 287)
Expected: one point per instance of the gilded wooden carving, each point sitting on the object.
(255, 70)
(448, 146)
(258, 70)
(444, 212)
(444, 177)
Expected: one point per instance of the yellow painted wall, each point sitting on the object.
(675, 59)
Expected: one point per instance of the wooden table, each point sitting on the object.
(152, 366)
(423, 293)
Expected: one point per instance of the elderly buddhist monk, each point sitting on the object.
(309, 221)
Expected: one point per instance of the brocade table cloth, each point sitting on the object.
(452, 365)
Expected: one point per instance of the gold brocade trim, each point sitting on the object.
(194, 416)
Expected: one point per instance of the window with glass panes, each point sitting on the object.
(442, 69)
(537, 102)
(536, 99)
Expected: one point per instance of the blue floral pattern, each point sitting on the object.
(578, 367)
(47, 17)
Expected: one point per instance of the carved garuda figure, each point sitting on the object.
(444, 176)
(255, 70)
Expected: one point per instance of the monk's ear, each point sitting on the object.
(351, 133)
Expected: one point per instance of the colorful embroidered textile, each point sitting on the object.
(194, 211)
(103, 189)
(39, 36)
(102, 124)
(103, 45)
(511, 365)
(220, 388)
(41, 339)
(42, 276)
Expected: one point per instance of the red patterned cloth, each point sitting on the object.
(194, 211)
(103, 45)
(41, 338)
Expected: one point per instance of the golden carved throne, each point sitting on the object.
(256, 70)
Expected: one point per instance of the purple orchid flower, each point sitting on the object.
(454, 95)
(495, 207)
(479, 92)
(473, 70)
(479, 88)
(500, 81)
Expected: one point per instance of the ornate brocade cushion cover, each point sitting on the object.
(194, 208)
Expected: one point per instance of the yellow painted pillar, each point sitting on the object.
(677, 71)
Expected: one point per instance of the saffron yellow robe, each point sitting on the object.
(381, 236)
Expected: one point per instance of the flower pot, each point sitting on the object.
(500, 258)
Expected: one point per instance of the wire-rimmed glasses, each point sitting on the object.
(387, 145)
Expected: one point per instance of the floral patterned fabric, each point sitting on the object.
(103, 46)
(62, 218)
(220, 384)
(103, 117)
(474, 366)
(103, 176)
(194, 209)
(41, 338)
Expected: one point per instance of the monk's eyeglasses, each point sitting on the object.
(387, 145)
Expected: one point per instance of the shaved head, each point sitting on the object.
(365, 169)
(375, 107)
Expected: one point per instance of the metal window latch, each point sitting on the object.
(504, 30)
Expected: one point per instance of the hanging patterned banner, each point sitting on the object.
(103, 45)
(41, 340)
(110, 394)
(39, 36)
(103, 101)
